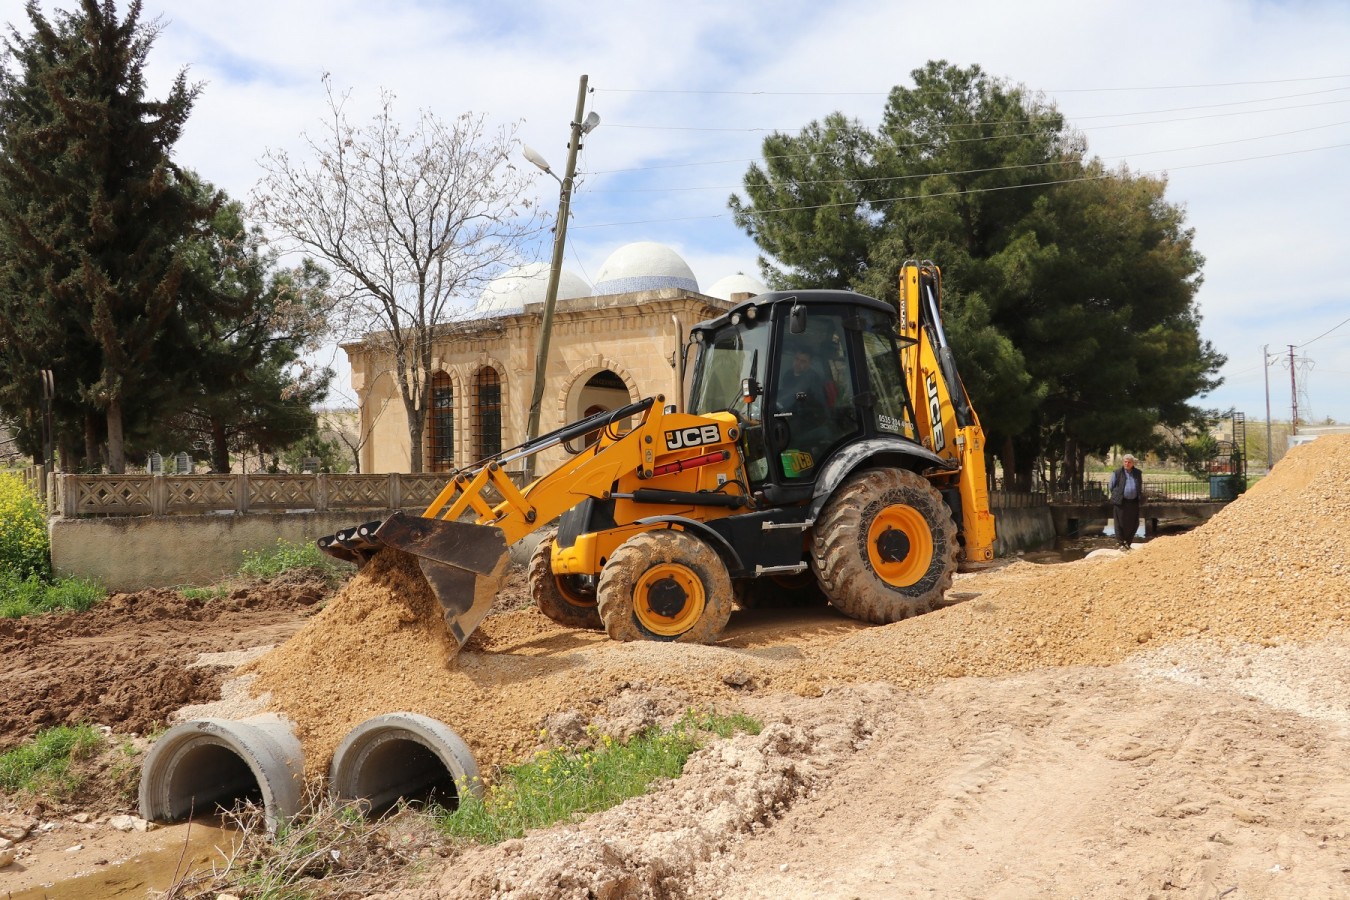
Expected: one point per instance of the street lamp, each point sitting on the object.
(579, 127)
(1265, 360)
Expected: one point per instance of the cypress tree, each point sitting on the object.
(94, 222)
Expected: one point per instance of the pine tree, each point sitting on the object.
(94, 222)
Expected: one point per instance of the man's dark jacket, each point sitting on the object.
(1118, 485)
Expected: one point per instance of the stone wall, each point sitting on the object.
(635, 336)
(1023, 528)
(135, 552)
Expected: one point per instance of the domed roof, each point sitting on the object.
(510, 291)
(739, 283)
(644, 266)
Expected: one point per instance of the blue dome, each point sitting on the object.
(644, 266)
(509, 292)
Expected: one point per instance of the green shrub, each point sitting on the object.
(43, 764)
(32, 596)
(24, 546)
(287, 556)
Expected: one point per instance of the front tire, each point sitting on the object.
(665, 586)
(565, 599)
(884, 547)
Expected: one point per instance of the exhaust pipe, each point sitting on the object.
(402, 756)
(203, 764)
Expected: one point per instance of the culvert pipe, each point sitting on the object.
(203, 764)
(402, 756)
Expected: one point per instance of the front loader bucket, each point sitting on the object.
(464, 563)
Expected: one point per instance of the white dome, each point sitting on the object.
(739, 283)
(644, 266)
(510, 291)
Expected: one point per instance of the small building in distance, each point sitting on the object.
(611, 344)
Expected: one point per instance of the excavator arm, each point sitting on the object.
(944, 418)
(462, 540)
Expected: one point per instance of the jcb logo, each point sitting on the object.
(691, 437)
(935, 415)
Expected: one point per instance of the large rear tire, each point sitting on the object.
(884, 548)
(566, 599)
(665, 586)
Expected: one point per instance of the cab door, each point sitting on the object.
(812, 409)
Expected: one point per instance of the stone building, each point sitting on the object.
(611, 344)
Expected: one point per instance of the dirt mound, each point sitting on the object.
(128, 662)
(1266, 569)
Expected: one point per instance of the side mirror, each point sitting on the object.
(797, 319)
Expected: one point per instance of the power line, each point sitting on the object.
(1242, 112)
(1009, 187)
(1052, 162)
(1159, 87)
(1322, 335)
(980, 139)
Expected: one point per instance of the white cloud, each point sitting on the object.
(1272, 230)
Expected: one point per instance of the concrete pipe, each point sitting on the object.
(402, 756)
(203, 764)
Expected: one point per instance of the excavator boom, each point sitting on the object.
(944, 416)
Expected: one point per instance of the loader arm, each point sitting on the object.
(945, 421)
(463, 538)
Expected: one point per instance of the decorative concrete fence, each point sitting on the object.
(164, 495)
(131, 532)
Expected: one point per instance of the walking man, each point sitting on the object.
(1127, 493)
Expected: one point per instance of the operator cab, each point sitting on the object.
(808, 372)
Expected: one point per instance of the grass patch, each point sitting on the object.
(43, 766)
(331, 851)
(287, 556)
(213, 592)
(557, 785)
(33, 596)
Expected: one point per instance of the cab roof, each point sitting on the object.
(764, 302)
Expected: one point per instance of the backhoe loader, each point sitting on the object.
(827, 450)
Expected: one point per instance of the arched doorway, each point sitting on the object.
(601, 392)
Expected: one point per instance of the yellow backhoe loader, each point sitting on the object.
(827, 452)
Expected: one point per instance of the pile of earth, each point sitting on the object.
(1097, 715)
(1172, 721)
(1271, 567)
(129, 666)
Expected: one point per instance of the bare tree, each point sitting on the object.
(412, 222)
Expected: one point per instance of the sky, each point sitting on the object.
(1244, 105)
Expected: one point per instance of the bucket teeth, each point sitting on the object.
(356, 544)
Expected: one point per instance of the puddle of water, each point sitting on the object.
(193, 849)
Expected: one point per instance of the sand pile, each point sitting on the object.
(1270, 568)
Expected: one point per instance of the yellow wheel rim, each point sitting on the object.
(669, 599)
(573, 597)
(900, 545)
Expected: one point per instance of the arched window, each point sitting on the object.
(487, 413)
(441, 425)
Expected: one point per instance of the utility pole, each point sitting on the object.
(555, 272)
(1265, 368)
(1293, 394)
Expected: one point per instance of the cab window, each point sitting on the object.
(813, 394)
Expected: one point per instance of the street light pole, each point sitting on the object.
(555, 270)
(1265, 366)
